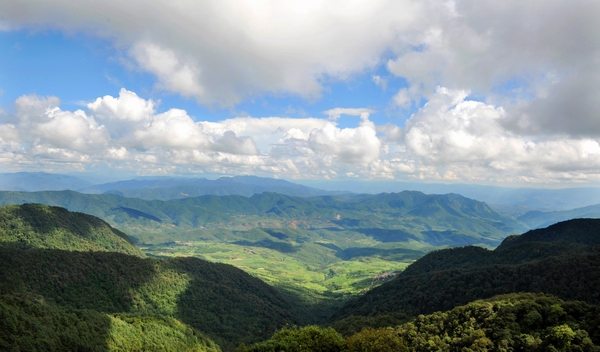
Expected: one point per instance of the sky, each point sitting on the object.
(439, 91)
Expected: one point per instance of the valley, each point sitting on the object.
(220, 271)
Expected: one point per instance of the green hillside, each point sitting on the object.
(317, 251)
(41, 226)
(580, 231)
(514, 322)
(227, 304)
(431, 219)
(445, 279)
(30, 324)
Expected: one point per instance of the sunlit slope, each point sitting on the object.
(41, 226)
(390, 217)
(444, 279)
(227, 304)
(31, 323)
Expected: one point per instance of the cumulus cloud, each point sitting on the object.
(451, 138)
(230, 143)
(222, 52)
(351, 145)
(538, 59)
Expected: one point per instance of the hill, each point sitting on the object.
(220, 300)
(329, 246)
(29, 323)
(514, 322)
(41, 226)
(563, 266)
(432, 219)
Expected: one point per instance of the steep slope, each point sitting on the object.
(444, 279)
(220, 300)
(578, 231)
(30, 323)
(41, 226)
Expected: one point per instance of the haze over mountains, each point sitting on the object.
(517, 201)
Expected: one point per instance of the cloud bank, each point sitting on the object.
(534, 67)
(451, 138)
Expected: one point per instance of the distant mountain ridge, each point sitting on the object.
(394, 217)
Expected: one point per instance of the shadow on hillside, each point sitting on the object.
(229, 305)
(388, 235)
(28, 323)
(67, 288)
(278, 246)
(102, 281)
(393, 254)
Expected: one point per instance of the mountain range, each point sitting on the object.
(410, 270)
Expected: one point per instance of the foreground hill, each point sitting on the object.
(227, 304)
(561, 260)
(30, 324)
(41, 226)
(68, 277)
(329, 246)
(514, 322)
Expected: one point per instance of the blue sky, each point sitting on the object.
(436, 91)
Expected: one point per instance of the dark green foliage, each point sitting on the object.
(41, 226)
(28, 323)
(353, 324)
(293, 339)
(380, 340)
(447, 278)
(440, 219)
(224, 302)
(515, 322)
(580, 231)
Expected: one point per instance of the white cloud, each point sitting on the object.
(380, 82)
(232, 144)
(351, 145)
(124, 114)
(451, 139)
(335, 113)
(223, 52)
(173, 129)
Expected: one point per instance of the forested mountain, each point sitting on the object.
(514, 322)
(389, 217)
(41, 226)
(87, 291)
(219, 300)
(561, 260)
